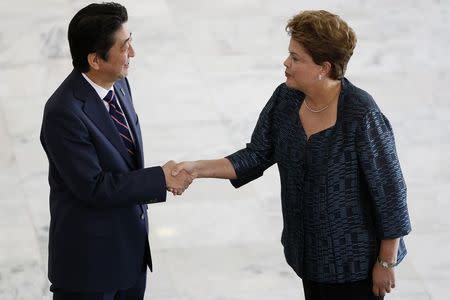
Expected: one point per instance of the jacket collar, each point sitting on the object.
(96, 112)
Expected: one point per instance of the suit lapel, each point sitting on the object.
(96, 111)
(125, 102)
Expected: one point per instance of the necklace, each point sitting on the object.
(323, 108)
(315, 110)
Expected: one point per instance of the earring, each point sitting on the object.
(320, 76)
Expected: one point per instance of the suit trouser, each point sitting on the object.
(135, 292)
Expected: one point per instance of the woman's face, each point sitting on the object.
(301, 71)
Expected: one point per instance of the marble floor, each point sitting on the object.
(202, 73)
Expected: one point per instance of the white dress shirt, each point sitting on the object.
(102, 92)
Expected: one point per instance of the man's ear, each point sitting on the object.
(94, 61)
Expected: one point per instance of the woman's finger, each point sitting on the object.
(375, 290)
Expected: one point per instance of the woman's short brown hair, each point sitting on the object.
(326, 37)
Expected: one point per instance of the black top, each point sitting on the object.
(342, 190)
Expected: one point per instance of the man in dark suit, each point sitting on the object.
(99, 188)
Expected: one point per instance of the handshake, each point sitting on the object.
(179, 176)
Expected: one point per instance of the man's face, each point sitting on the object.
(116, 66)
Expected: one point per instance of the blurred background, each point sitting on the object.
(203, 71)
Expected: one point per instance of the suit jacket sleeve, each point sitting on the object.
(72, 152)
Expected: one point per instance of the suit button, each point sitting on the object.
(142, 216)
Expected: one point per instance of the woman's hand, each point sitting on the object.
(188, 166)
(383, 280)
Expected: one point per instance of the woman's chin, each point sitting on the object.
(290, 84)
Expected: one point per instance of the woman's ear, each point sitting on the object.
(326, 69)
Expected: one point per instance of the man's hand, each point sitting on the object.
(179, 183)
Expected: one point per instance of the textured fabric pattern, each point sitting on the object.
(342, 190)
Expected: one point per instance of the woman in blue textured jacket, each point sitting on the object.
(342, 190)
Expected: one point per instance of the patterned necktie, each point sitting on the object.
(118, 118)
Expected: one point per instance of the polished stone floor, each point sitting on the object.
(203, 71)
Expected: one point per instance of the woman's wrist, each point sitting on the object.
(216, 168)
(388, 250)
(199, 169)
(386, 264)
(204, 168)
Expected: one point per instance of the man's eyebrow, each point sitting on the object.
(127, 40)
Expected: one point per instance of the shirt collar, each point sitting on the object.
(101, 91)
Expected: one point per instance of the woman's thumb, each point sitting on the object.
(177, 170)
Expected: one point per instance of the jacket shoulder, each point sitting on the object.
(358, 99)
(63, 97)
(357, 103)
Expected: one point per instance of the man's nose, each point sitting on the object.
(131, 52)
